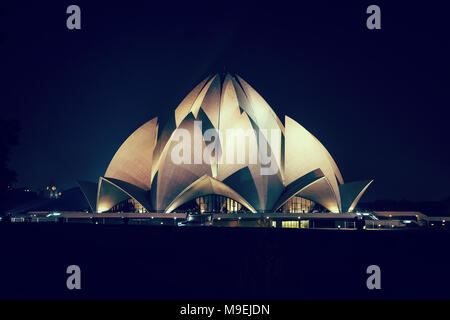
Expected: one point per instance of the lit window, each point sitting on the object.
(304, 224)
(289, 224)
(298, 205)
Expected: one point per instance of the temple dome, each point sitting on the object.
(299, 166)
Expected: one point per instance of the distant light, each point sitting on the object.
(48, 187)
(364, 227)
(53, 188)
(443, 221)
(162, 222)
(218, 218)
(59, 193)
(53, 214)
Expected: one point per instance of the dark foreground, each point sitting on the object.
(142, 262)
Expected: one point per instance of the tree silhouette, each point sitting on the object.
(9, 133)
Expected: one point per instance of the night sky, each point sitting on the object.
(377, 99)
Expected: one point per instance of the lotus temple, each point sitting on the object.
(143, 177)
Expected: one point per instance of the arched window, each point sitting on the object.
(213, 203)
(298, 205)
(128, 205)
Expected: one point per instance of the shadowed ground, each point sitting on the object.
(147, 262)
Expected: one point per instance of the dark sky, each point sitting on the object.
(377, 100)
